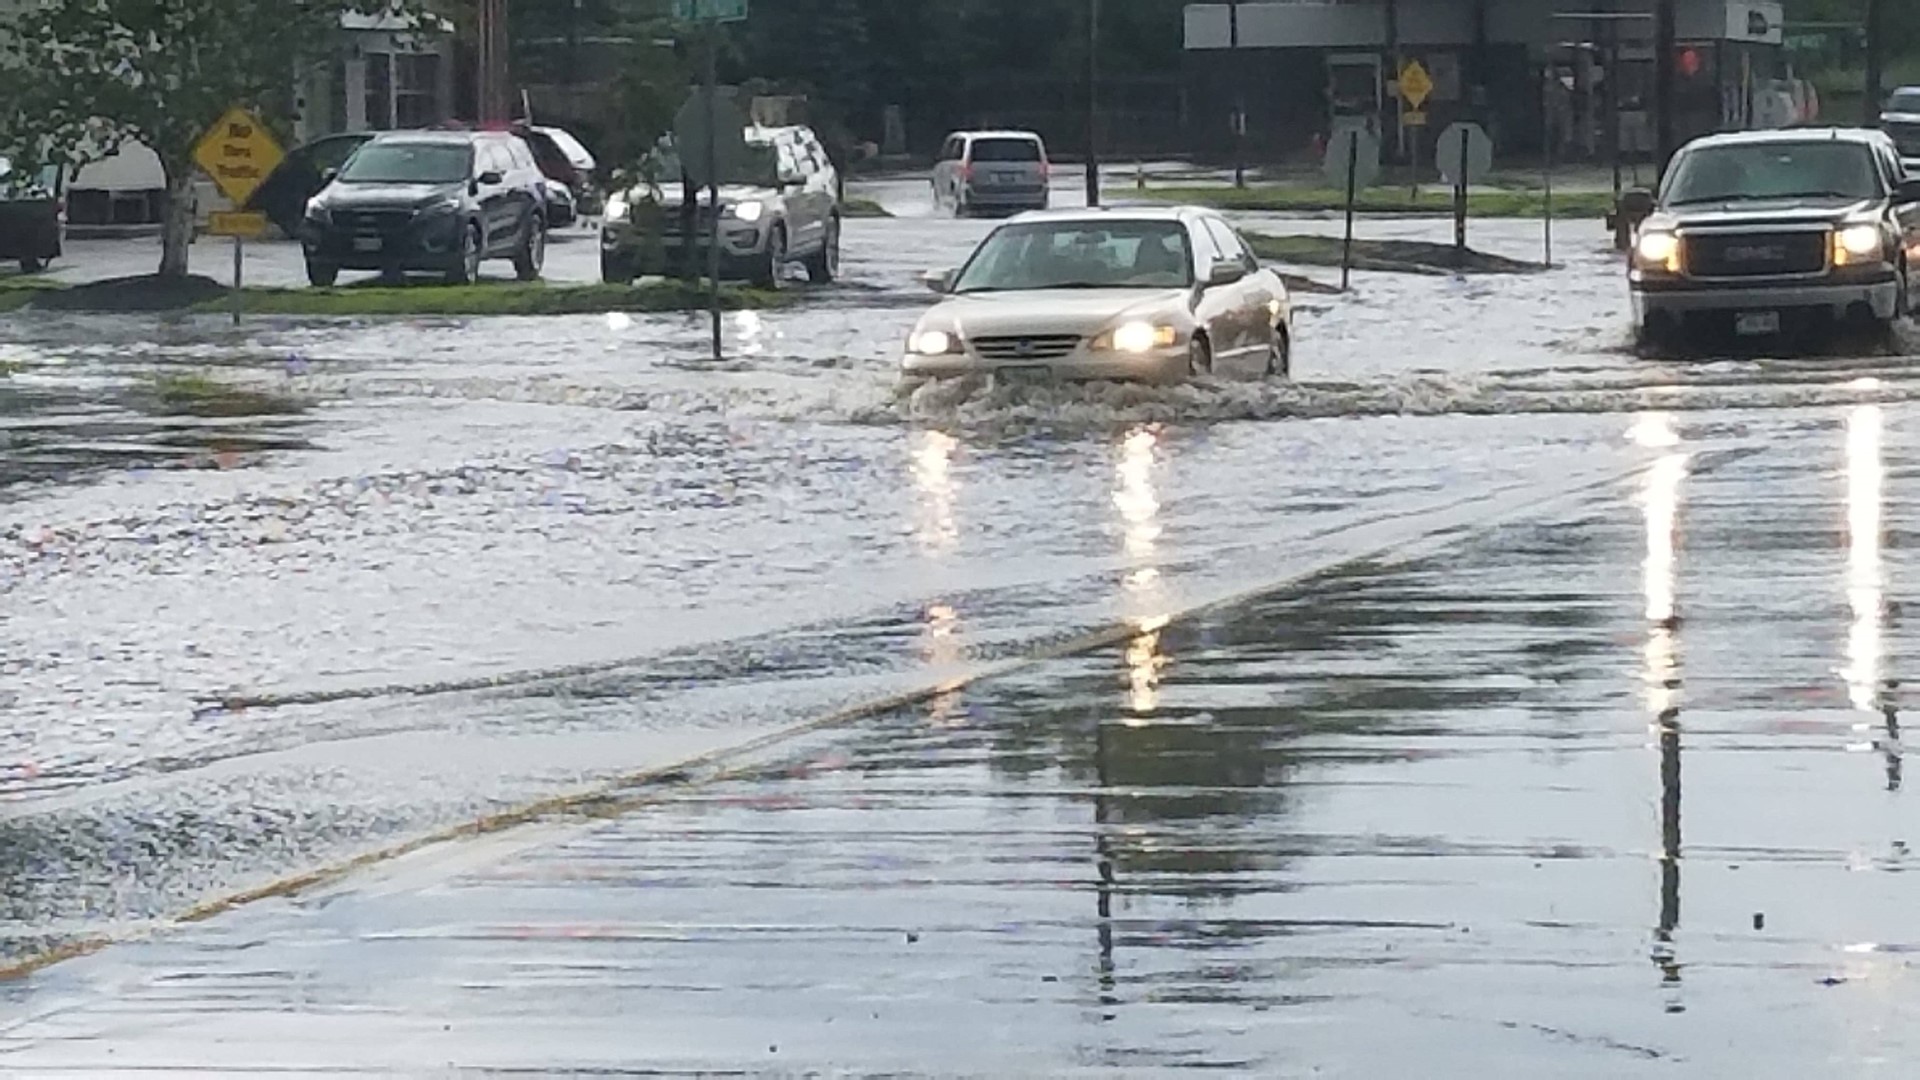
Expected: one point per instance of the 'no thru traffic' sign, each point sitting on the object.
(238, 153)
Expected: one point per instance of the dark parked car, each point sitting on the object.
(568, 163)
(1901, 120)
(33, 219)
(438, 201)
(1762, 232)
(283, 198)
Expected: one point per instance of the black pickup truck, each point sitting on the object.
(1763, 232)
(32, 216)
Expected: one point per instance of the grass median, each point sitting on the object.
(200, 294)
(492, 298)
(1388, 256)
(1431, 200)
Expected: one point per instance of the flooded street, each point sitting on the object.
(1489, 697)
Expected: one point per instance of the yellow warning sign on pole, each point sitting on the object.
(1416, 86)
(242, 223)
(238, 153)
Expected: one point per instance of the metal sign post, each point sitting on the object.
(710, 137)
(238, 153)
(1346, 248)
(713, 186)
(1352, 163)
(1416, 86)
(1464, 153)
(1546, 168)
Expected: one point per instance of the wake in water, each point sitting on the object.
(982, 405)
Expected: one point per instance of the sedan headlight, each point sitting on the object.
(749, 211)
(618, 209)
(934, 343)
(1658, 251)
(1136, 337)
(1856, 244)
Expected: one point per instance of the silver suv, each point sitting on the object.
(780, 206)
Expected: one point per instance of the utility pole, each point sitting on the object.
(1398, 63)
(711, 79)
(491, 76)
(1665, 44)
(1239, 95)
(1876, 55)
(1093, 102)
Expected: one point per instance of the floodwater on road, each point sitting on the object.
(1383, 771)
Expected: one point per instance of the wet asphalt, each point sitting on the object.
(1492, 700)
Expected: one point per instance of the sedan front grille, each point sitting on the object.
(1034, 347)
(1757, 254)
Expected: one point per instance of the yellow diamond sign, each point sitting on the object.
(1415, 84)
(239, 154)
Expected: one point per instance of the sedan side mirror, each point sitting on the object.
(1908, 191)
(1225, 272)
(940, 281)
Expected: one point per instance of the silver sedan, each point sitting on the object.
(1152, 294)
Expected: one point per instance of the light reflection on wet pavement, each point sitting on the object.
(1501, 801)
(1419, 810)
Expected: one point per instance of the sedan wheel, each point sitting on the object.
(1199, 357)
(1280, 354)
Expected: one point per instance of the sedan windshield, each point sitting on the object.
(408, 163)
(1081, 255)
(1810, 170)
(1904, 101)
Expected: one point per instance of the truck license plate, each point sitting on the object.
(1756, 323)
(366, 243)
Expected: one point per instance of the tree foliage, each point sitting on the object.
(78, 78)
(853, 58)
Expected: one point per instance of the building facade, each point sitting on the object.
(1522, 68)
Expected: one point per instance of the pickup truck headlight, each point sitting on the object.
(319, 213)
(1856, 244)
(1658, 251)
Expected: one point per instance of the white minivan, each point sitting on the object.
(991, 172)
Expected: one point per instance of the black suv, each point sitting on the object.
(1755, 229)
(436, 201)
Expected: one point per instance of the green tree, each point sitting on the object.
(78, 78)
